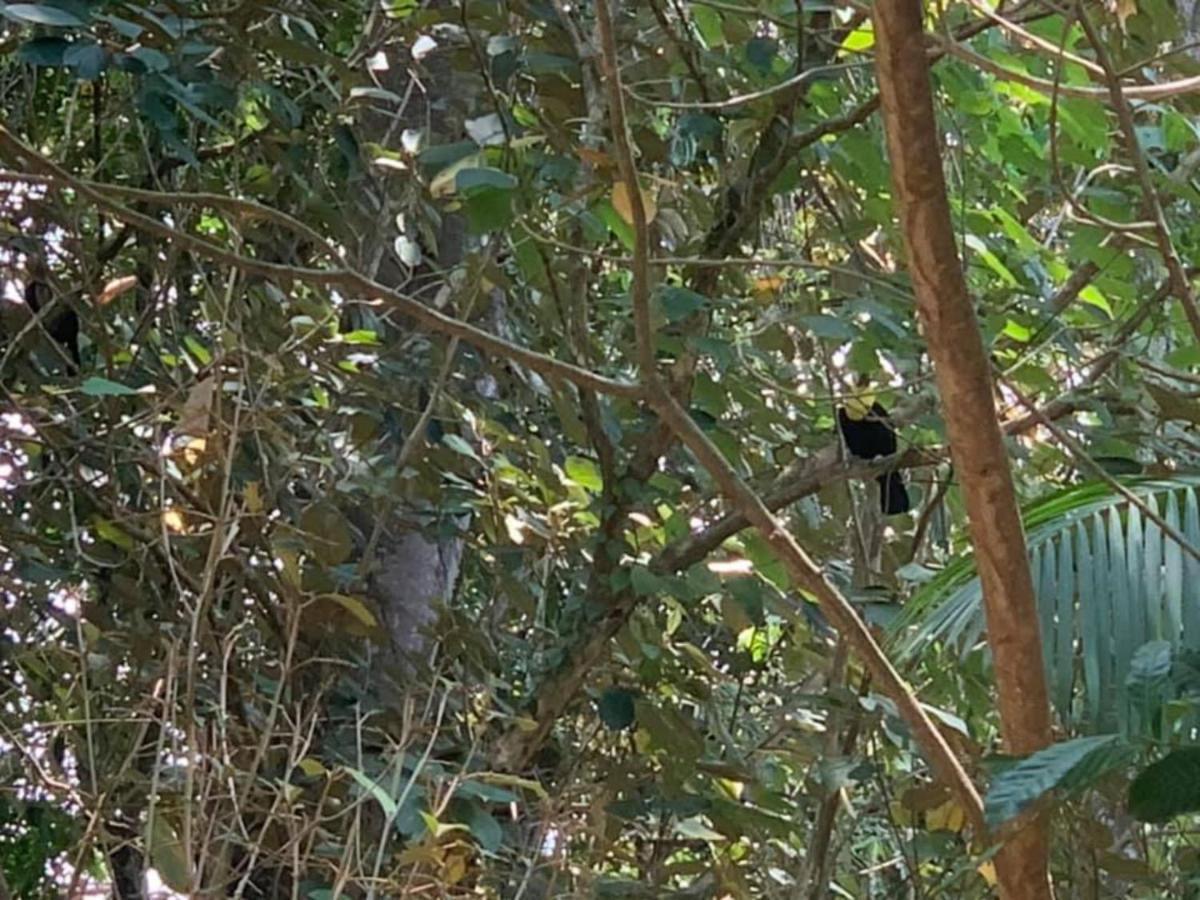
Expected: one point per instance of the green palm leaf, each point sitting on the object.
(1108, 581)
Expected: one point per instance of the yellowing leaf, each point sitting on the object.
(253, 497)
(947, 817)
(900, 814)
(987, 872)
(622, 202)
(443, 183)
(768, 284)
(503, 779)
(455, 869)
(355, 607)
(311, 767)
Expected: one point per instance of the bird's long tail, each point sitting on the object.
(893, 495)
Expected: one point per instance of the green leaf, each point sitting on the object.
(87, 58)
(644, 582)
(327, 533)
(616, 708)
(102, 387)
(484, 827)
(199, 352)
(708, 23)
(468, 180)
(460, 446)
(1167, 788)
(488, 208)
(1067, 765)
(679, 303)
(584, 472)
(166, 854)
(694, 829)
(107, 531)
(359, 336)
(42, 14)
(381, 796)
(829, 327)
(44, 51)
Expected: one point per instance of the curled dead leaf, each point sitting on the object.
(623, 203)
(115, 289)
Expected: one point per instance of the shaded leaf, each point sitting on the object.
(1167, 788)
(616, 708)
(41, 14)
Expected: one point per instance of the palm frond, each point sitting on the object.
(1108, 581)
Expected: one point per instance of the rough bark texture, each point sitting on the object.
(965, 386)
(413, 572)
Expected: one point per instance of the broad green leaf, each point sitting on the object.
(42, 14)
(1066, 766)
(475, 179)
(87, 58)
(708, 23)
(584, 472)
(102, 387)
(679, 303)
(44, 51)
(644, 582)
(484, 827)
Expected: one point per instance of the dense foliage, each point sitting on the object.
(223, 426)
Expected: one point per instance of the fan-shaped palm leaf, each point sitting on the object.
(1108, 581)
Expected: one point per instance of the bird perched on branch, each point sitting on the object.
(867, 430)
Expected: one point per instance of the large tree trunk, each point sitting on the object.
(965, 386)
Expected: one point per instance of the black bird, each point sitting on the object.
(869, 434)
(63, 325)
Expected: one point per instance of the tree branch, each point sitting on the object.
(350, 280)
(836, 607)
(1181, 285)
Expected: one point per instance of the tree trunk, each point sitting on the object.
(412, 572)
(965, 387)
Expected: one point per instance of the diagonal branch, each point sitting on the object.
(350, 280)
(836, 607)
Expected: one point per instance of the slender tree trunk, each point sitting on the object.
(413, 571)
(965, 386)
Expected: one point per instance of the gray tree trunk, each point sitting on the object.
(412, 572)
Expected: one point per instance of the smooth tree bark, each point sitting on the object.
(965, 386)
(837, 609)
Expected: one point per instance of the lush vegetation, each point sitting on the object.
(312, 590)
